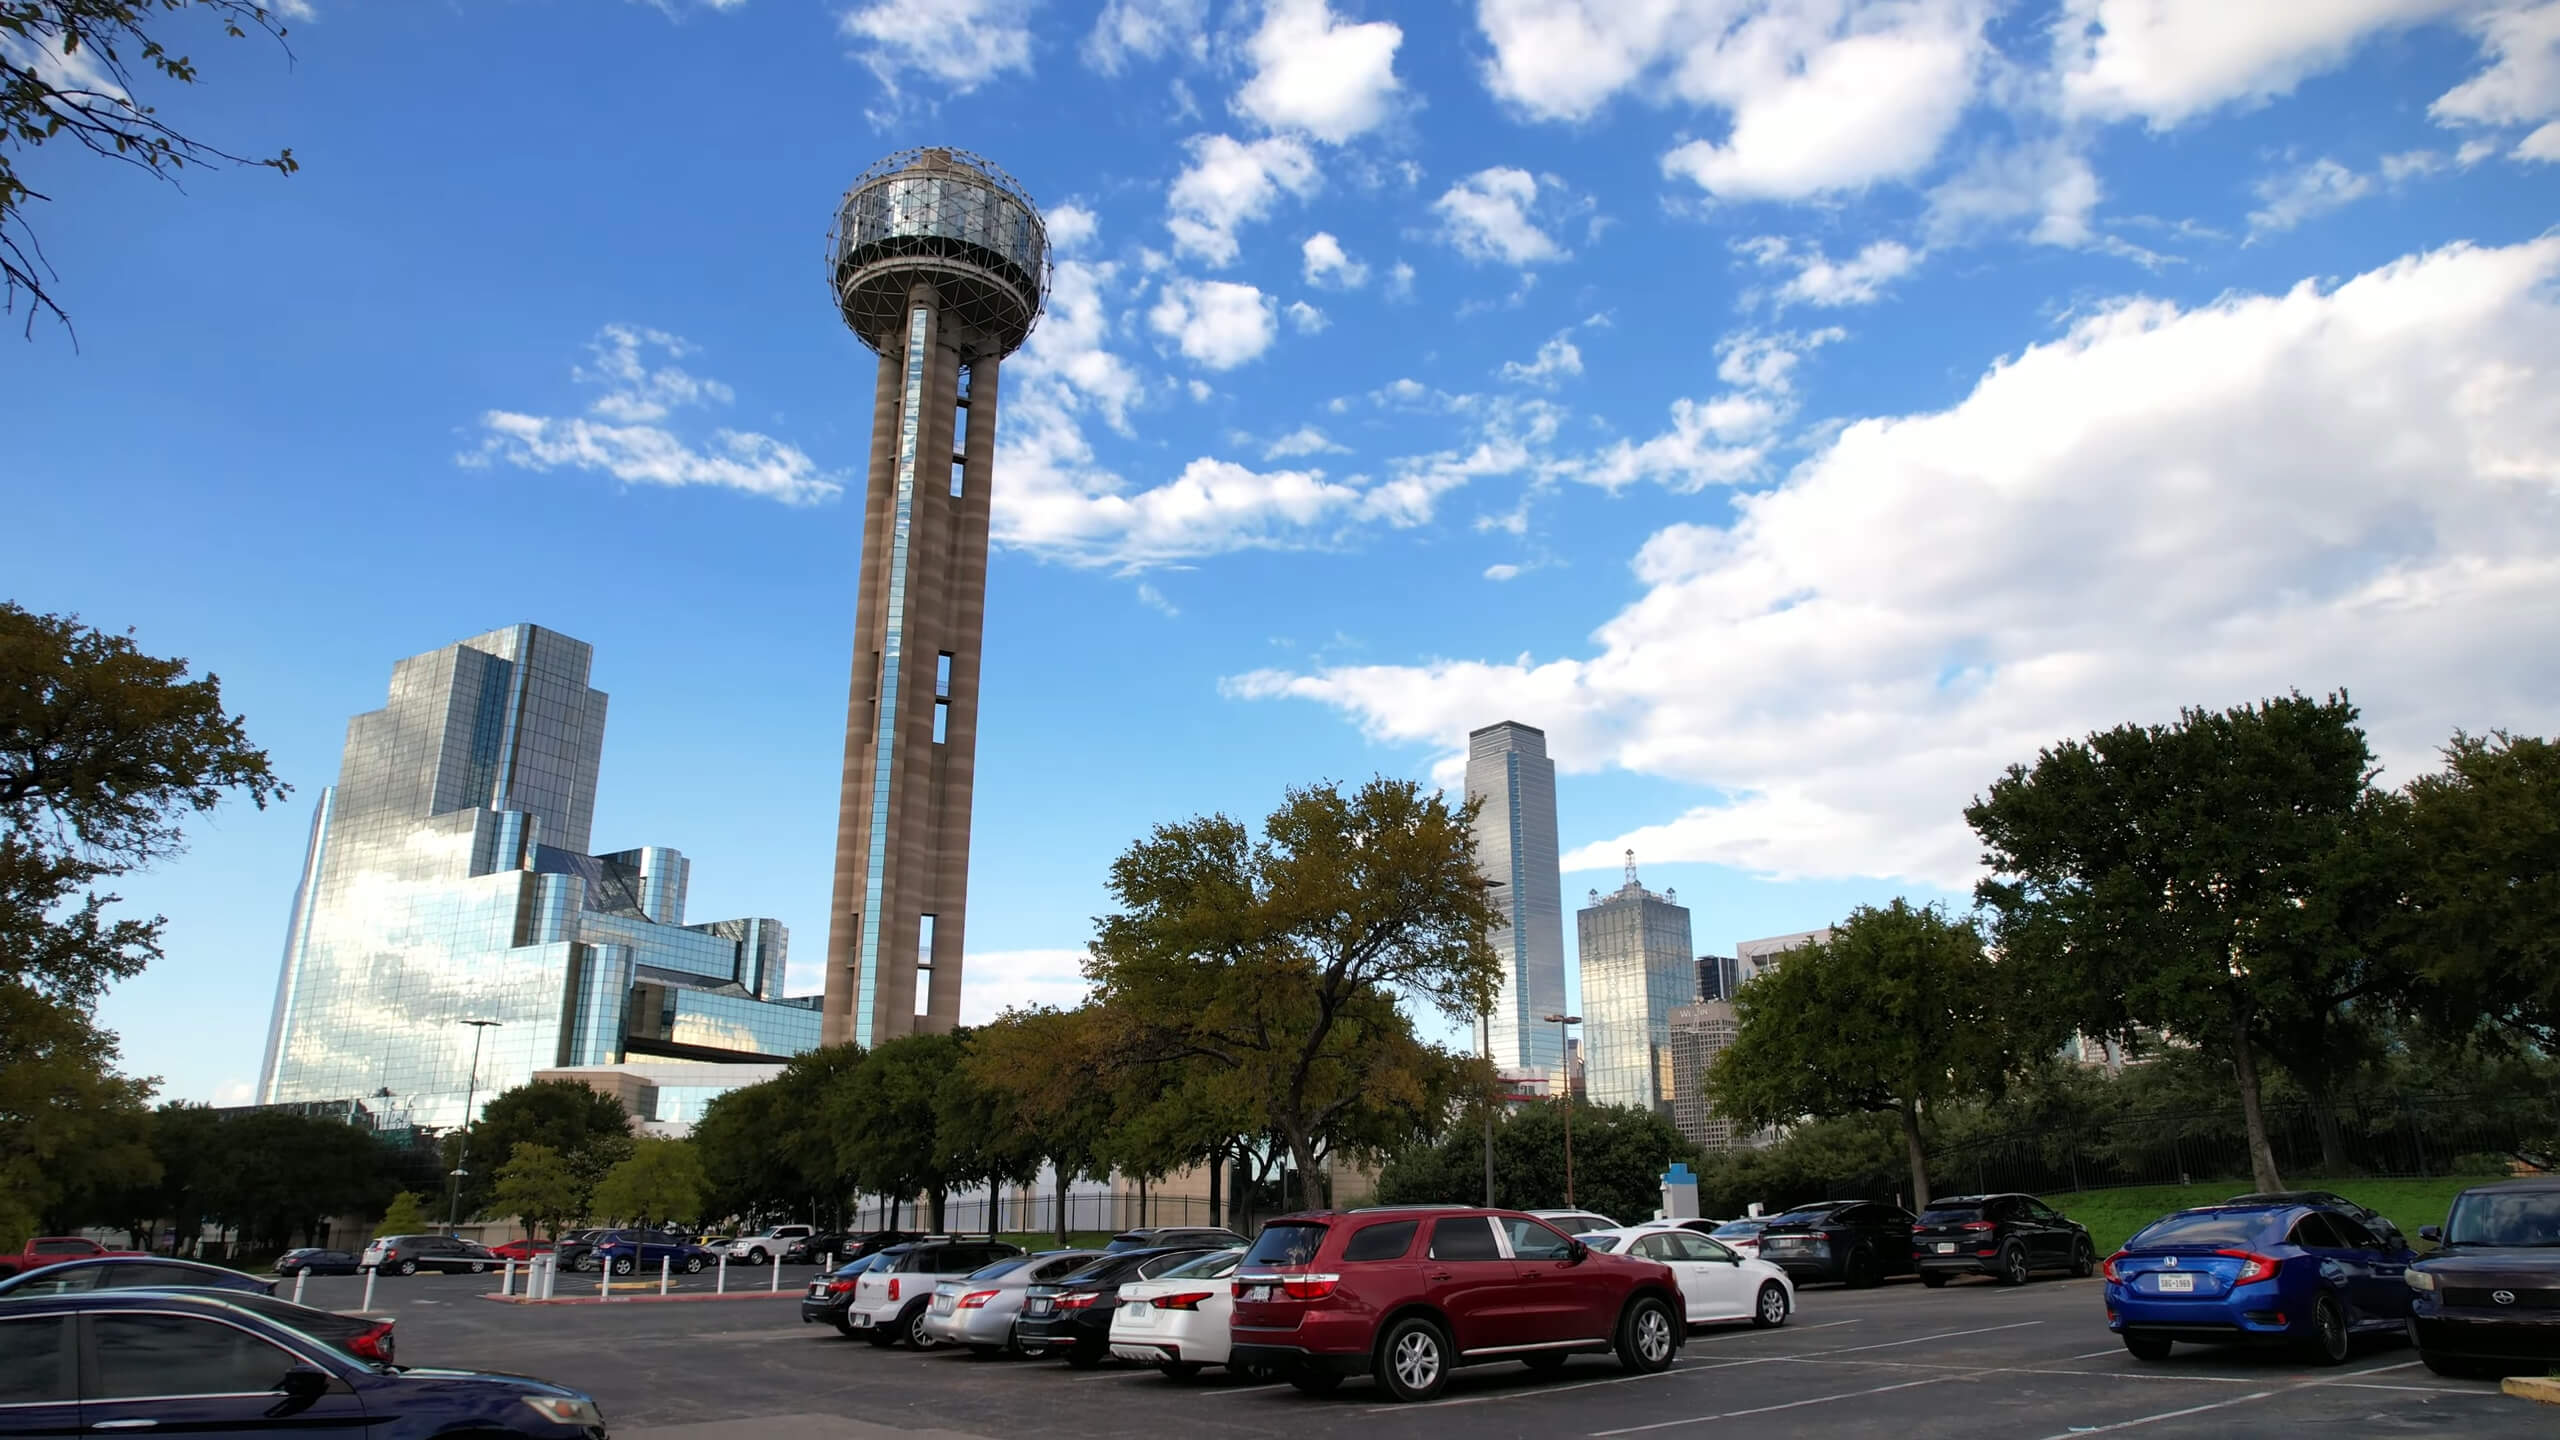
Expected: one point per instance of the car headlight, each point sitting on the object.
(2418, 1279)
(566, 1409)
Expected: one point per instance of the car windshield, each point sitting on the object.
(1606, 1244)
(2209, 1228)
(867, 1263)
(1005, 1266)
(1286, 1244)
(1741, 1229)
(1950, 1214)
(1207, 1267)
(1812, 1216)
(2528, 1217)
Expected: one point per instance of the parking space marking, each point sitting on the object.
(2094, 1354)
(2142, 1420)
(1771, 1409)
(1533, 1393)
(1941, 1335)
(2421, 1389)
(1755, 1334)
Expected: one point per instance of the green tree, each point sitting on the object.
(884, 1118)
(537, 1186)
(661, 1181)
(587, 1128)
(2483, 932)
(2186, 877)
(69, 72)
(1897, 1013)
(976, 1141)
(275, 1174)
(1269, 957)
(406, 1214)
(1046, 1071)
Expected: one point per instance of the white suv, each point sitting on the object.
(765, 1245)
(892, 1300)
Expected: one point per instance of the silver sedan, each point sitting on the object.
(978, 1310)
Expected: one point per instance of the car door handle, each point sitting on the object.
(124, 1424)
(1439, 1275)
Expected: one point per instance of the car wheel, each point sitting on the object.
(1413, 1360)
(1934, 1279)
(693, 1264)
(2014, 1269)
(880, 1335)
(911, 1328)
(1181, 1372)
(845, 1328)
(2329, 1342)
(1772, 1310)
(408, 1267)
(623, 1265)
(479, 1267)
(1316, 1382)
(1860, 1272)
(1648, 1336)
(2084, 1260)
(1546, 1364)
(2146, 1347)
(758, 1257)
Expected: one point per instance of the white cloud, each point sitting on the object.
(1230, 183)
(2521, 85)
(1564, 59)
(1501, 572)
(2167, 61)
(1556, 359)
(999, 980)
(620, 434)
(2139, 514)
(237, 1092)
(2542, 144)
(1314, 71)
(1820, 280)
(1217, 323)
(1725, 439)
(1153, 599)
(1146, 29)
(1487, 216)
(1071, 343)
(954, 45)
(1328, 267)
(1071, 227)
(2047, 180)
(1400, 282)
(2289, 197)
(1305, 440)
(1306, 318)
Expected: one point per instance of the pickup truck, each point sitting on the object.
(53, 1250)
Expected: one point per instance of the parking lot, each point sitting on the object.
(1974, 1360)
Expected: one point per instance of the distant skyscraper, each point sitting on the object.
(1717, 978)
(1637, 966)
(1699, 1033)
(1509, 772)
(447, 880)
(1752, 957)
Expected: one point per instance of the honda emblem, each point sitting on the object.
(2173, 1262)
(2503, 1297)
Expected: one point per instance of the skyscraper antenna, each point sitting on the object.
(1631, 870)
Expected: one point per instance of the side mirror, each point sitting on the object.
(307, 1382)
(1575, 1252)
(2432, 1234)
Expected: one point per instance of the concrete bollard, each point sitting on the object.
(720, 1277)
(507, 1280)
(369, 1272)
(550, 1274)
(666, 1267)
(604, 1281)
(777, 1275)
(827, 1263)
(299, 1276)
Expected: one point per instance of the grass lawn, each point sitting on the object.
(2113, 1215)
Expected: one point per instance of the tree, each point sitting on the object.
(767, 1150)
(974, 1138)
(406, 1214)
(68, 70)
(2483, 932)
(537, 1186)
(275, 1174)
(1897, 1013)
(1269, 958)
(2183, 877)
(587, 1128)
(884, 1118)
(661, 1181)
(1620, 1153)
(1045, 1070)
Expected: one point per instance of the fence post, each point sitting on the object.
(720, 1281)
(2417, 1133)
(776, 1268)
(666, 1268)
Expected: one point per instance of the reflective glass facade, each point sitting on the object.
(1509, 774)
(1637, 966)
(447, 880)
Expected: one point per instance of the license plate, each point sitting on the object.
(817, 1290)
(2176, 1284)
(1257, 1292)
(941, 1304)
(1946, 1247)
(1036, 1307)
(1137, 1314)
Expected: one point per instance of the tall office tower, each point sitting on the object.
(1756, 957)
(1717, 977)
(1509, 773)
(940, 263)
(447, 882)
(1636, 967)
(1699, 1033)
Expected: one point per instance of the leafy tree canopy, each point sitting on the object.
(661, 1181)
(2484, 882)
(538, 1187)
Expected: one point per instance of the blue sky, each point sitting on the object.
(1800, 408)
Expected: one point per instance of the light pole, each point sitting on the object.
(471, 1094)
(1564, 1056)
(1489, 1101)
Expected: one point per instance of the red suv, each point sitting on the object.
(1407, 1293)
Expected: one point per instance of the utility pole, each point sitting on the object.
(1566, 1084)
(470, 1096)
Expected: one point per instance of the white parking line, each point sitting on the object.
(1528, 1394)
(1941, 1335)
(2142, 1420)
(1770, 1409)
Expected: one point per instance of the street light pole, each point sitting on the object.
(1489, 1102)
(1564, 1056)
(470, 1096)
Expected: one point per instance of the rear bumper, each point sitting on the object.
(1808, 1267)
(1298, 1360)
(1063, 1332)
(970, 1327)
(2535, 1339)
(1959, 1264)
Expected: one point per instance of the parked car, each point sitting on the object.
(2383, 1230)
(891, 1300)
(194, 1362)
(130, 1272)
(627, 1251)
(1856, 1242)
(1406, 1295)
(830, 1297)
(1717, 1285)
(979, 1308)
(1178, 1321)
(576, 1250)
(765, 1246)
(2488, 1299)
(409, 1254)
(1741, 1236)
(1574, 1222)
(365, 1337)
(811, 1248)
(2280, 1274)
(1201, 1237)
(522, 1251)
(1070, 1318)
(312, 1261)
(52, 1250)
(2008, 1237)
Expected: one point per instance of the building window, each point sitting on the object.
(924, 963)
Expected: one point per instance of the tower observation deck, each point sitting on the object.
(939, 262)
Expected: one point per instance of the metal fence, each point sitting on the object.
(1026, 1213)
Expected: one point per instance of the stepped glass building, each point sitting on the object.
(1509, 774)
(1637, 967)
(447, 881)
(939, 262)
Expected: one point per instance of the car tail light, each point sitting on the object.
(1079, 1300)
(1919, 1229)
(1978, 1225)
(893, 1287)
(2107, 1268)
(1308, 1287)
(373, 1344)
(2253, 1267)
(1188, 1300)
(975, 1299)
(839, 1287)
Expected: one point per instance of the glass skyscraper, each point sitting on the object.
(1509, 773)
(447, 879)
(1636, 968)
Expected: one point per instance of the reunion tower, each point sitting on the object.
(940, 263)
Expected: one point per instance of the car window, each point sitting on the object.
(1206, 1267)
(1533, 1240)
(1464, 1237)
(35, 1361)
(59, 1247)
(2044, 1212)
(1159, 1264)
(1653, 1247)
(1381, 1242)
(1059, 1269)
(138, 1356)
(1950, 1214)
(1741, 1229)
(64, 1280)
(1605, 1244)
(2351, 1234)
(2312, 1232)
(1292, 1244)
(2208, 1228)
(140, 1277)
(995, 1268)
(1709, 1250)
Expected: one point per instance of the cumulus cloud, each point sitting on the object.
(1305, 318)
(954, 46)
(623, 434)
(1216, 323)
(1305, 440)
(1316, 72)
(1001, 980)
(1817, 279)
(1555, 359)
(1071, 227)
(2333, 486)
(1229, 184)
(2168, 61)
(1326, 265)
(1490, 216)
(2289, 197)
(2521, 85)
(1724, 439)
(1146, 30)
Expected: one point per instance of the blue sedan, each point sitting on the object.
(2289, 1274)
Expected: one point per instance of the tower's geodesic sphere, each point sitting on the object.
(950, 219)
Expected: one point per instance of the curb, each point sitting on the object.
(2531, 1387)
(641, 1299)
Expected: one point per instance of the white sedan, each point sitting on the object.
(1717, 1284)
(1178, 1321)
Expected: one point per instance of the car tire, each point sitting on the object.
(2329, 1342)
(880, 1336)
(1315, 1382)
(406, 1267)
(757, 1256)
(1413, 1360)
(845, 1328)
(2147, 1347)
(479, 1267)
(1546, 1364)
(1934, 1279)
(1648, 1336)
(693, 1264)
(2015, 1267)
(1860, 1271)
(624, 1265)
(2084, 1260)
(1180, 1372)
(1772, 1309)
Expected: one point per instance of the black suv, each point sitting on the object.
(2008, 1237)
(1197, 1237)
(1856, 1242)
(2488, 1299)
(409, 1254)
